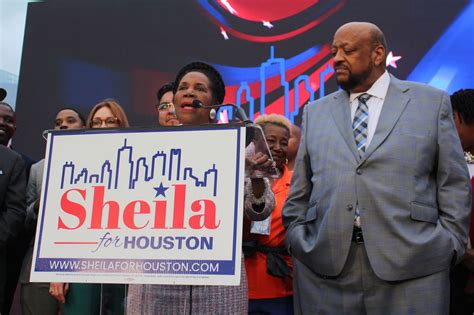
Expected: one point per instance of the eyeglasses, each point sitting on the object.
(164, 106)
(111, 121)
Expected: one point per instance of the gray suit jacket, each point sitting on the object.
(33, 193)
(412, 186)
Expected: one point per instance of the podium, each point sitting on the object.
(145, 206)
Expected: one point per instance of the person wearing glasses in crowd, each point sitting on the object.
(165, 106)
(201, 81)
(86, 298)
(107, 114)
(35, 298)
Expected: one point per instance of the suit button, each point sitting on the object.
(359, 171)
(350, 207)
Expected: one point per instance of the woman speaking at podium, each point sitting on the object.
(200, 81)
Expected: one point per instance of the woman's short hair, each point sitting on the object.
(168, 87)
(116, 110)
(274, 119)
(463, 104)
(217, 83)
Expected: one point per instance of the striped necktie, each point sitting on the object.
(360, 129)
(360, 123)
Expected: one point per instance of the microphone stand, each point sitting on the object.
(240, 113)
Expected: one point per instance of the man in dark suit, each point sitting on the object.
(12, 207)
(17, 246)
(380, 197)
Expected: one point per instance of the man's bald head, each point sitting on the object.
(372, 32)
(359, 50)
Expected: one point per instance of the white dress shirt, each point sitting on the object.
(470, 167)
(378, 91)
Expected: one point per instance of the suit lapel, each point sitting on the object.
(394, 104)
(341, 114)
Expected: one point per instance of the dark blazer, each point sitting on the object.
(33, 193)
(12, 194)
(12, 206)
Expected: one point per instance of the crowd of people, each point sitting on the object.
(369, 213)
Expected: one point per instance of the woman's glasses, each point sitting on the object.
(164, 106)
(109, 122)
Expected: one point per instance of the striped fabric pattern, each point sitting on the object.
(360, 129)
(360, 123)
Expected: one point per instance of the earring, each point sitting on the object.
(212, 114)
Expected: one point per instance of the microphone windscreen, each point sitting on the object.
(197, 104)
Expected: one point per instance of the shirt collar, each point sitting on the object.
(378, 89)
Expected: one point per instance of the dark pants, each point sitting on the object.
(16, 250)
(460, 304)
(114, 298)
(3, 276)
(277, 306)
(35, 299)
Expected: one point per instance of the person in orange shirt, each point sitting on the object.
(293, 145)
(267, 262)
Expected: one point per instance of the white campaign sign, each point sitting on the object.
(142, 206)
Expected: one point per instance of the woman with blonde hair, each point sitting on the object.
(267, 261)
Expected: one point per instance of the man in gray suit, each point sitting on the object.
(380, 197)
(43, 298)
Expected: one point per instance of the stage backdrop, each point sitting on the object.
(274, 54)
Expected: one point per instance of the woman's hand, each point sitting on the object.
(59, 291)
(258, 163)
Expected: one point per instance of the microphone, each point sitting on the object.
(240, 113)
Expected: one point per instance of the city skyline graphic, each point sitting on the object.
(281, 74)
(127, 171)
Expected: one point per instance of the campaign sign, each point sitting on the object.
(142, 206)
